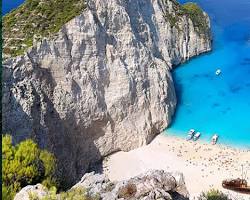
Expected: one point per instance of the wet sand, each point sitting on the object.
(203, 165)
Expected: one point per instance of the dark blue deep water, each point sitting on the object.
(8, 5)
(218, 104)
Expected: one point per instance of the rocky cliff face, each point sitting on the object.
(102, 83)
(152, 185)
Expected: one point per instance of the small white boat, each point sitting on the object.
(190, 134)
(214, 139)
(197, 136)
(218, 72)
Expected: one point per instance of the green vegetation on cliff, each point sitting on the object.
(213, 195)
(72, 194)
(36, 18)
(191, 10)
(196, 15)
(25, 164)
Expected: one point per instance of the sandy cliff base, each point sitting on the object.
(203, 165)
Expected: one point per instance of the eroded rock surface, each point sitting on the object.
(103, 83)
(152, 185)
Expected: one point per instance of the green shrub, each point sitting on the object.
(7, 193)
(49, 164)
(25, 164)
(196, 15)
(213, 195)
(192, 11)
(51, 196)
(36, 17)
(73, 194)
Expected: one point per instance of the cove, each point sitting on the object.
(218, 104)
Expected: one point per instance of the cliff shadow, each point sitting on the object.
(72, 142)
(179, 92)
(178, 196)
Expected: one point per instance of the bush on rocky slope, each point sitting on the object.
(25, 164)
(213, 195)
(196, 15)
(36, 18)
(73, 194)
(191, 10)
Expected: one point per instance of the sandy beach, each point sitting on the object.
(203, 165)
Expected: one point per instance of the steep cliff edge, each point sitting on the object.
(103, 82)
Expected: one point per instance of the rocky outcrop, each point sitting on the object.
(102, 83)
(155, 184)
(149, 186)
(38, 191)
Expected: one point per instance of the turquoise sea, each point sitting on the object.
(218, 104)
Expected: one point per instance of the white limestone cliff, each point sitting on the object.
(103, 83)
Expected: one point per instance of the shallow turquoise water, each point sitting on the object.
(218, 104)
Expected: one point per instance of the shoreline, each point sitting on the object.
(206, 140)
(204, 166)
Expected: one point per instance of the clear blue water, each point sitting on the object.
(8, 5)
(218, 104)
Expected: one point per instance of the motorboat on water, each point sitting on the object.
(197, 136)
(218, 72)
(190, 134)
(237, 185)
(214, 139)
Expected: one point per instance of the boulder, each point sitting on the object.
(26, 193)
(152, 185)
